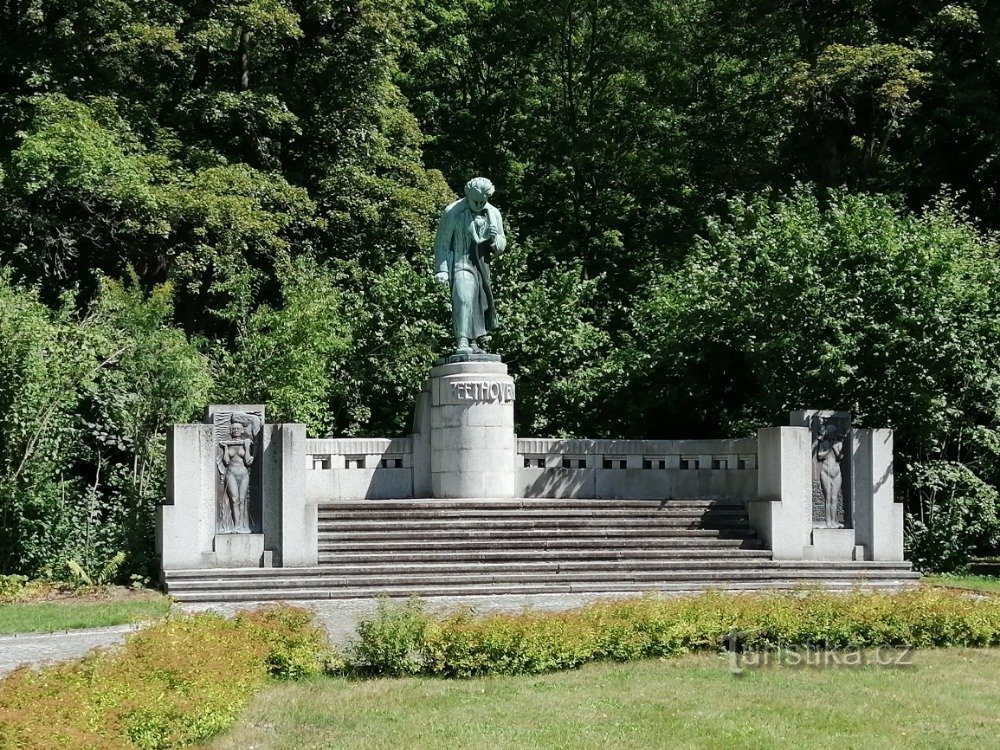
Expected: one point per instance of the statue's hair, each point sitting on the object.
(481, 185)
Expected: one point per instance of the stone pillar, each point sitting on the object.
(782, 513)
(473, 449)
(299, 532)
(186, 521)
(878, 518)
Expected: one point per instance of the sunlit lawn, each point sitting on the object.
(948, 698)
(989, 584)
(37, 617)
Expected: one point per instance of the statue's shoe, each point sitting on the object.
(465, 350)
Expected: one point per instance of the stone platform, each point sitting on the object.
(483, 547)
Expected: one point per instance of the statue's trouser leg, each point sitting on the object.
(464, 296)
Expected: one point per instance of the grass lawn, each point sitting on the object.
(40, 617)
(948, 698)
(990, 584)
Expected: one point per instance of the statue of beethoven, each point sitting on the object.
(469, 232)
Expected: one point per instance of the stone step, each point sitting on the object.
(554, 524)
(638, 532)
(528, 504)
(254, 594)
(541, 543)
(370, 514)
(693, 555)
(720, 576)
(625, 568)
(850, 567)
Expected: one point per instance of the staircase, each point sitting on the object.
(397, 548)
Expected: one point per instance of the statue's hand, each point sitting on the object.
(491, 233)
(442, 277)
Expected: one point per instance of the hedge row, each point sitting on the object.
(403, 639)
(169, 685)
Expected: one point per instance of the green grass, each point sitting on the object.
(41, 617)
(988, 584)
(949, 698)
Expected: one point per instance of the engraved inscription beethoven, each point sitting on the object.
(482, 390)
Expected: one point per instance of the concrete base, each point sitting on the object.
(833, 545)
(239, 550)
(473, 449)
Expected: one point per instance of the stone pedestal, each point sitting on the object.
(832, 545)
(470, 426)
(239, 550)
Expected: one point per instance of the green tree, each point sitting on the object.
(850, 303)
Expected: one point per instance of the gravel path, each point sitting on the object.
(339, 616)
(44, 648)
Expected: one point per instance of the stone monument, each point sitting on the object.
(465, 412)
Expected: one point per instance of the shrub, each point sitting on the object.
(393, 642)
(401, 640)
(169, 685)
(11, 587)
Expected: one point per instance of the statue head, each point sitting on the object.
(236, 430)
(829, 431)
(478, 191)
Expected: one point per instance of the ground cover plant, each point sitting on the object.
(404, 639)
(169, 685)
(693, 701)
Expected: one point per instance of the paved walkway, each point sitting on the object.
(340, 617)
(44, 648)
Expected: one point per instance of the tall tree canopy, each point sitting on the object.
(718, 210)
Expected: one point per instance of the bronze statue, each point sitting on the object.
(469, 232)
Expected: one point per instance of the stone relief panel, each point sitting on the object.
(831, 494)
(238, 493)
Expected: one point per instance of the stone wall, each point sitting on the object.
(359, 469)
(351, 469)
(638, 469)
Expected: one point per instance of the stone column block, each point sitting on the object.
(878, 518)
(185, 523)
(473, 449)
(299, 530)
(782, 514)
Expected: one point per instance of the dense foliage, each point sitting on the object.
(403, 639)
(152, 694)
(718, 211)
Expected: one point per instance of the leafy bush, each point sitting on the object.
(848, 301)
(393, 642)
(169, 685)
(83, 413)
(11, 587)
(405, 639)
